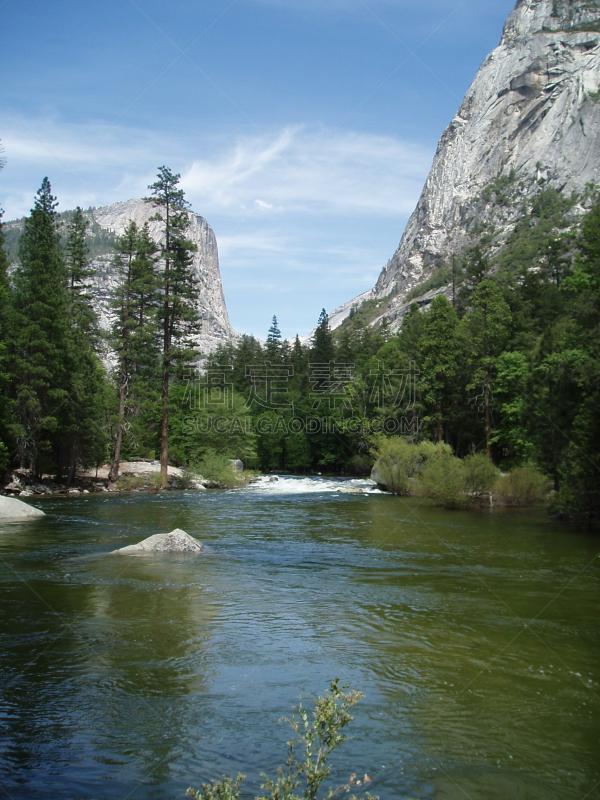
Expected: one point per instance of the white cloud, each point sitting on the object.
(300, 169)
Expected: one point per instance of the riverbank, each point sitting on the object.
(137, 475)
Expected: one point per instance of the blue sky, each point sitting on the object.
(303, 129)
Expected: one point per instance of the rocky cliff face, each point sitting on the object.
(532, 115)
(216, 328)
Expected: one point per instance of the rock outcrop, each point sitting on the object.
(13, 509)
(177, 541)
(531, 116)
(216, 328)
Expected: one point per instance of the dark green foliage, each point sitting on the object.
(440, 351)
(39, 359)
(56, 394)
(273, 350)
(323, 349)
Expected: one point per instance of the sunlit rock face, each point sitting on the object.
(216, 328)
(533, 108)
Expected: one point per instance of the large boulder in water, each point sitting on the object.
(177, 541)
(11, 508)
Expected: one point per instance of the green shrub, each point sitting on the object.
(316, 740)
(399, 461)
(443, 479)
(480, 475)
(217, 467)
(523, 486)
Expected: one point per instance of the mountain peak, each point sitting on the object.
(531, 17)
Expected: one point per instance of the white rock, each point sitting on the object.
(11, 508)
(177, 541)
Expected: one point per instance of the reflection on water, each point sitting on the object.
(473, 635)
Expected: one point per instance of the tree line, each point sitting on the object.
(504, 361)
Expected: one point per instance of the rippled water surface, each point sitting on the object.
(475, 638)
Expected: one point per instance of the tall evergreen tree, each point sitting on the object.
(488, 328)
(179, 292)
(77, 261)
(39, 356)
(273, 345)
(323, 349)
(5, 305)
(135, 326)
(439, 354)
(83, 434)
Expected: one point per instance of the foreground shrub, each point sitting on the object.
(443, 479)
(480, 475)
(399, 461)
(316, 741)
(523, 486)
(457, 484)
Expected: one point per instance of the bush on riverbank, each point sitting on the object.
(316, 741)
(399, 462)
(523, 486)
(219, 470)
(458, 483)
(432, 470)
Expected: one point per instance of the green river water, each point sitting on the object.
(474, 636)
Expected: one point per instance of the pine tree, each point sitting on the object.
(323, 349)
(439, 358)
(135, 329)
(39, 359)
(179, 292)
(488, 328)
(273, 346)
(5, 306)
(77, 261)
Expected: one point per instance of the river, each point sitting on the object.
(474, 637)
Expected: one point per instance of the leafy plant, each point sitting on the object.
(443, 479)
(399, 461)
(480, 475)
(523, 486)
(301, 778)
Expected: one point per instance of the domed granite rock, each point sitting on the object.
(177, 541)
(13, 509)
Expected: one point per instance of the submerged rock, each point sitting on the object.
(11, 508)
(351, 491)
(177, 541)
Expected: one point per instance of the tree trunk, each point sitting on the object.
(113, 474)
(488, 448)
(72, 466)
(164, 433)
